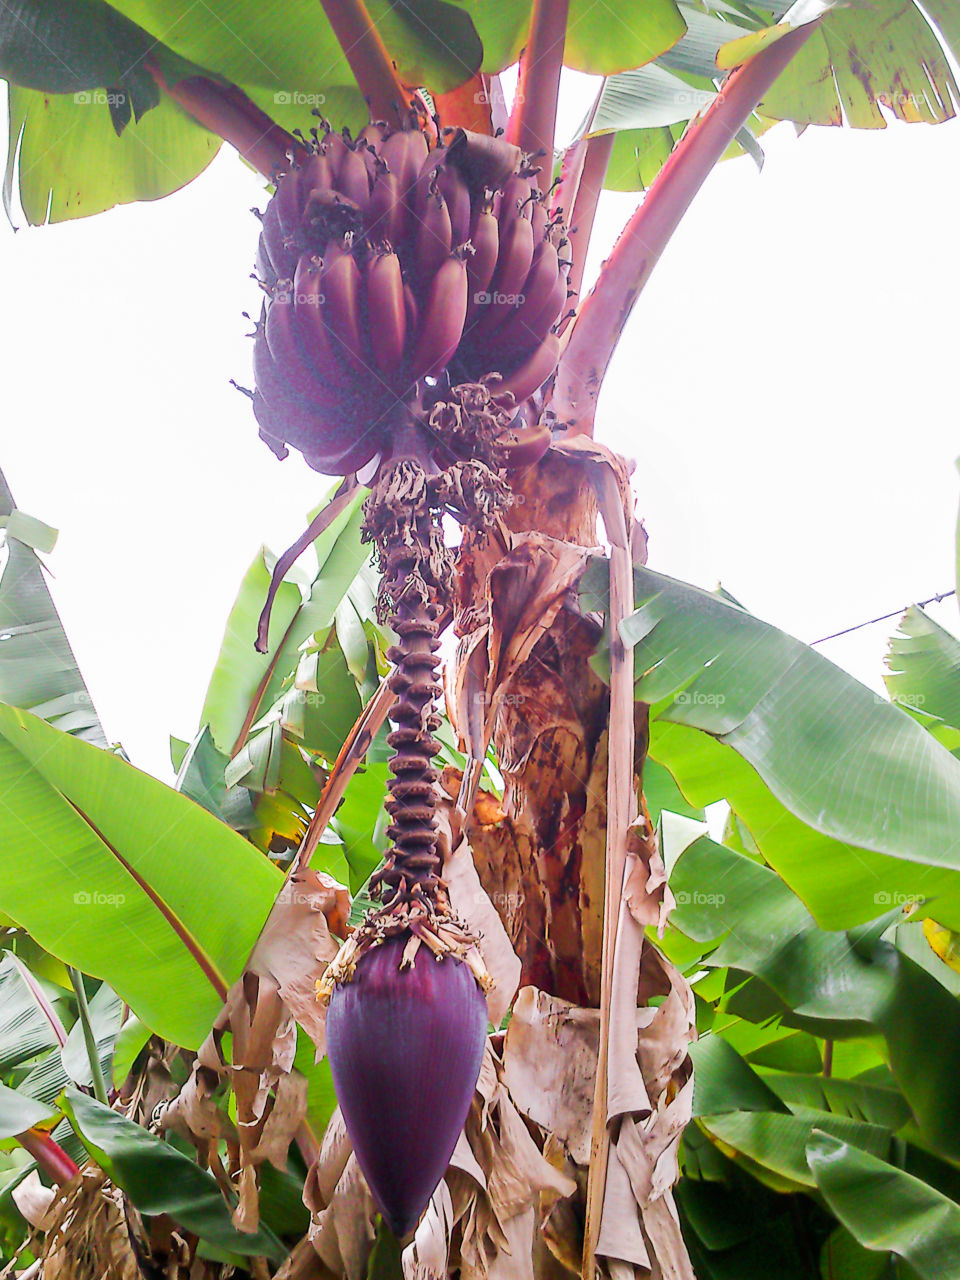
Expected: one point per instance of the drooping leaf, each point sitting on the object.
(19, 1113)
(774, 1143)
(28, 1023)
(865, 55)
(245, 684)
(838, 985)
(70, 163)
(924, 667)
(876, 1104)
(133, 1035)
(69, 48)
(886, 1209)
(201, 776)
(844, 793)
(38, 671)
(123, 878)
(158, 1179)
(724, 1082)
(737, 1229)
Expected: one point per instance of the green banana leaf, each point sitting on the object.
(886, 1209)
(774, 1144)
(78, 78)
(200, 776)
(838, 985)
(924, 667)
(738, 1229)
(598, 42)
(120, 876)
(361, 822)
(29, 1024)
(246, 684)
(722, 1081)
(17, 1113)
(865, 54)
(876, 1104)
(71, 1063)
(844, 793)
(158, 1179)
(38, 671)
(132, 1037)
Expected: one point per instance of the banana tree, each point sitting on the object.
(423, 337)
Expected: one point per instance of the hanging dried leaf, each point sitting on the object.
(86, 1235)
(472, 905)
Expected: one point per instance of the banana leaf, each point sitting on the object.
(122, 877)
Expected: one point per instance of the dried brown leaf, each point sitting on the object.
(550, 1065)
(472, 904)
(297, 944)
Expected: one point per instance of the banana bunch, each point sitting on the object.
(393, 270)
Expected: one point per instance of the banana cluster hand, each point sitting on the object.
(391, 271)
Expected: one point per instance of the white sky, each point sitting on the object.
(787, 384)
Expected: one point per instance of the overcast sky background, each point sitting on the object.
(787, 386)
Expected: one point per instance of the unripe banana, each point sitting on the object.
(289, 357)
(280, 254)
(289, 202)
(386, 311)
(513, 265)
(530, 375)
(340, 281)
(352, 177)
(433, 238)
(481, 264)
(443, 317)
(313, 325)
(454, 190)
(317, 175)
(404, 153)
(544, 291)
(386, 215)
